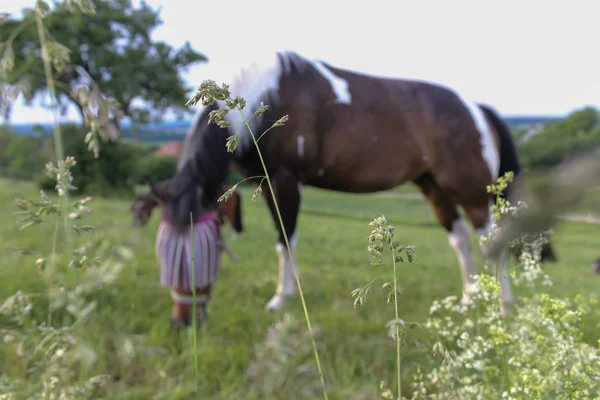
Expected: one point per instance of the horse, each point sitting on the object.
(142, 206)
(351, 132)
(208, 244)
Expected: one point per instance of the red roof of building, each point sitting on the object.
(170, 149)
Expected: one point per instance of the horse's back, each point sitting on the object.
(392, 131)
(456, 133)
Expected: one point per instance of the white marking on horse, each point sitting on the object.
(253, 82)
(459, 240)
(286, 285)
(320, 172)
(489, 150)
(338, 85)
(301, 146)
(505, 287)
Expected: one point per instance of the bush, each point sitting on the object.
(156, 168)
(145, 148)
(557, 141)
(19, 155)
(536, 352)
(519, 133)
(111, 173)
(6, 136)
(23, 154)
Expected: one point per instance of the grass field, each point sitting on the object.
(354, 348)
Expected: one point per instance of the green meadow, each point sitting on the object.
(128, 337)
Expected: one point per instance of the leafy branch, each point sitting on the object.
(98, 111)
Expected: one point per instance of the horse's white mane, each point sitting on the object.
(256, 82)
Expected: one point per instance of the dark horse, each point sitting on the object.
(353, 133)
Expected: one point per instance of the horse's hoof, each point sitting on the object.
(276, 303)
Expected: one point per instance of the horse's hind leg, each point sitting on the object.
(446, 212)
(481, 216)
(287, 194)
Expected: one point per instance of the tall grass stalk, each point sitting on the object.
(194, 315)
(58, 146)
(56, 129)
(381, 237)
(293, 262)
(51, 347)
(398, 360)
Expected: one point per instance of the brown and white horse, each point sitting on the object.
(354, 133)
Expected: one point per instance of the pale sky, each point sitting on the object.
(522, 57)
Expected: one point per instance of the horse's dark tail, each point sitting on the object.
(509, 161)
(508, 151)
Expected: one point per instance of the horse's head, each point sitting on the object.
(231, 209)
(142, 206)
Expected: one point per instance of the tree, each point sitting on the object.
(558, 141)
(111, 51)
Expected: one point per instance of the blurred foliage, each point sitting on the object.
(114, 47)
(24, 154)
(155, 168)
(120, 166)
(6, 135)
(558, 141)
(20, 155)
(112, 172)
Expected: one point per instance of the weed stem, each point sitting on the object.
(287, 244)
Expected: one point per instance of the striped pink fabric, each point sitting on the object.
(174, 253)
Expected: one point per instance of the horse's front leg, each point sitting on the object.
(287, 194)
